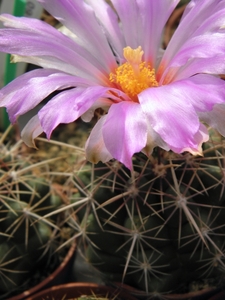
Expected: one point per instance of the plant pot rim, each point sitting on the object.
(209, 291)
(76, 289)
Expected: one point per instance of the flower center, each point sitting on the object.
(134, 75)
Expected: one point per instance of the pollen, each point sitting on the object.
(135, 75)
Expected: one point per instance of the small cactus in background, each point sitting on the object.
(29, 241)
(160, 227)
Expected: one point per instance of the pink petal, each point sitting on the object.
(172, 116)
(200, 137)
(200, 35)
(80, 19)
(128, 12)
(109, 21)
(215, 118)
(103, 103)
(29, 89)
(146, 30)
(31, 130)
(95, 147)
(153, 140)
(32, 37)
(197, 90)
(213, 65)
(196, 13)
(125, 131)
(68, 106)
(151, 27)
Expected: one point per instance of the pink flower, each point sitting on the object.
(150, 97)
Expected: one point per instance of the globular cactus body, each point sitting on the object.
(161, 226)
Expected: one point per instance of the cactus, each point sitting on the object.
(29, 241)
(159, 228)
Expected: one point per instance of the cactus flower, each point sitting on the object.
(114, 61)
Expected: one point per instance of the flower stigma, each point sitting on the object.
(135, 75)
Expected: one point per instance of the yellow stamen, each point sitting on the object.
(134, 76)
